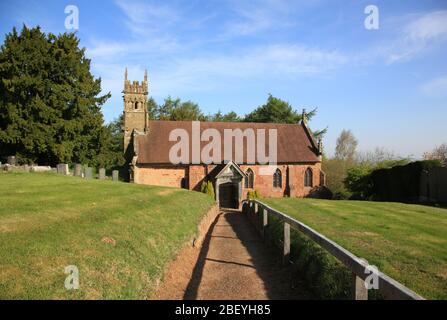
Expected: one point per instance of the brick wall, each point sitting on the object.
(169, 176)
(295, 187)
(196, 175)
(292, 178)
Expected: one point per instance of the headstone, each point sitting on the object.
(102, 174)
(115, 175)
(78, 170)
(62, 168)
(88, 173)
(40, 169)
(12, 160)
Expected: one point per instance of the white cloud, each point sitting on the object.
(431, 26)
(418, 35)
(148, 17)
(436, 87)
(208, 72)
(258, 16)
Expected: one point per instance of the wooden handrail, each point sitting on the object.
(388, 287)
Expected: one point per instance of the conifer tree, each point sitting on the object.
(50, 103)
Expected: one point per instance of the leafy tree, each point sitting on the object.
(187, 111)
(346, 146)
(111, 154)
(175, 110)
(358, 182)
(336, 170)
(49, 100)
(152, 108)
(221, 117)
(276, 110)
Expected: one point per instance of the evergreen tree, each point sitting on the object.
(276, 110)
(49, 100)
(224, 117)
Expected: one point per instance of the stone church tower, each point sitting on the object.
(135, 108)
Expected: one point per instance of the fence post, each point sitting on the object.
(358, 288)
(265, 221)
(286, 252)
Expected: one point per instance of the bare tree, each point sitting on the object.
(346, 146)
(438, 153)
(379, 154)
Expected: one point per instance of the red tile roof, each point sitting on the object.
(294, 143)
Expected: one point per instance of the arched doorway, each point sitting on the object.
(229, 195)
(228, 184)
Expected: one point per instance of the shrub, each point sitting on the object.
(358, 182)
(400, 183)
(207, 187)
(359, 179)
(253, 194)
(322, 274)
(210, 189)
(203, 186)
(335, 170)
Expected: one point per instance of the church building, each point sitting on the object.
(149, 145)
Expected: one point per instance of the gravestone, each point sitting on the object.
(88, 173)
(40, 168)
(62, 168)
(115, 175)
(102, 173)
(12, 160)
(78, 170)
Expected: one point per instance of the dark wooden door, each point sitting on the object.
(228, 195)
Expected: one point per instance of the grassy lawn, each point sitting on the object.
(407, 242)
(120, 236)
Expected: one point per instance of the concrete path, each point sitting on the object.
(233, 263)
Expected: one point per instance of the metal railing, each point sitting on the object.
(388, 287)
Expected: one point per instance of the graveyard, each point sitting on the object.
(119, 235)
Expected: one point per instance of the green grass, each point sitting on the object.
(120, 236)
(406, 242)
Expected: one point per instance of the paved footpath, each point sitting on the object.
(233, 263)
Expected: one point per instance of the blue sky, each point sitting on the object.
(389, 86)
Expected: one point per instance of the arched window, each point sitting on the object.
(249, 179)
(136, 105)
(277, 179)
(308, 180)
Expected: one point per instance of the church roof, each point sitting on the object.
(294, 141)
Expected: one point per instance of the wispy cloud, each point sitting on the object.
(254, 17)
(148, 16)
(420, 34)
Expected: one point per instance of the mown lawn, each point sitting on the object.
(119, 235)
(407, 242)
